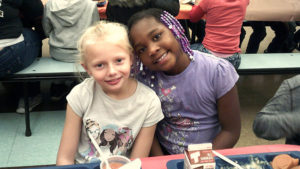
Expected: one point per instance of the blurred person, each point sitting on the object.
(258, 34)
(20, 45)
(64, 21)
(224, 19)
(280, 117)
(122, 10)
(281, 30)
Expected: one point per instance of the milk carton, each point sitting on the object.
(199, 156)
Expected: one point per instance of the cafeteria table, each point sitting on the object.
(160, 162)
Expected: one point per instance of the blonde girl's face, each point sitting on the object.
(109, 65)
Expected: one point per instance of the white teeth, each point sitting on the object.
(163, 56)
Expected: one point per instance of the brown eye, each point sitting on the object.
(99, 65)
(156, 37)
(141, 50)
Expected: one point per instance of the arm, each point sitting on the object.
(70, 138)
(156, 148)
(143, 142)
(230, 120)
(197, 12)
(274, 126)
(279, 118)
(47, 26)
(32, 12)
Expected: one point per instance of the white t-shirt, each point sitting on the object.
(114, 124)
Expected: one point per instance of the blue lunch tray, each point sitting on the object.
(262, 159)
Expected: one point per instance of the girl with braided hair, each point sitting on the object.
(198, 91)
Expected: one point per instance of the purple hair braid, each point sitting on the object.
(176, 28)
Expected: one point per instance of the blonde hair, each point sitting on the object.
(104, 31)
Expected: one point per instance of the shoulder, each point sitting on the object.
(210, 62)
(145, 90)
(147, 95)
(84, 88)
(214, 70)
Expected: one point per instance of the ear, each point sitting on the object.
(86, 68)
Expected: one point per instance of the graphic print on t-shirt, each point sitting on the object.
(92, 127)
(172, 107)
(112, 140)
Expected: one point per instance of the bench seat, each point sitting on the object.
(269, 63)
(47, 68)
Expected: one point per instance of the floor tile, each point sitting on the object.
(8, 128)
(40, 148)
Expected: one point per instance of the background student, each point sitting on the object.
(20, 45)
(280, 117)
(117, 110)
(198, 91)
(64, 22)
(122, 10)
(224, 19)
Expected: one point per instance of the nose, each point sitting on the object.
(111, 70)
(153, 49)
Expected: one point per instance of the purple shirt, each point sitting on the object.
(189, 101)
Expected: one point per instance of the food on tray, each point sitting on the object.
(114, 165)
(115, 162)
(199, 156)
(284, 161)
(249, 162)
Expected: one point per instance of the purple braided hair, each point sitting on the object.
(175, 27)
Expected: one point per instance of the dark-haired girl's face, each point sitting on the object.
(109, 135)
(157, 47)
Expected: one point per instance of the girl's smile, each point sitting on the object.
(113, 81)
(161, 59)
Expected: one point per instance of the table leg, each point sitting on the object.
(27, 113)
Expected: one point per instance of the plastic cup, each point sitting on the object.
(115, 162)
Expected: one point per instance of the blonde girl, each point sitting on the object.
(110, 97)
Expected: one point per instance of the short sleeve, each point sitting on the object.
(225, 78)
(79, 98)
(154, 113)
(196, 13)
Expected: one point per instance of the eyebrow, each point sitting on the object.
(149, 34)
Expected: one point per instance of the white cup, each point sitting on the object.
(115, 162)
